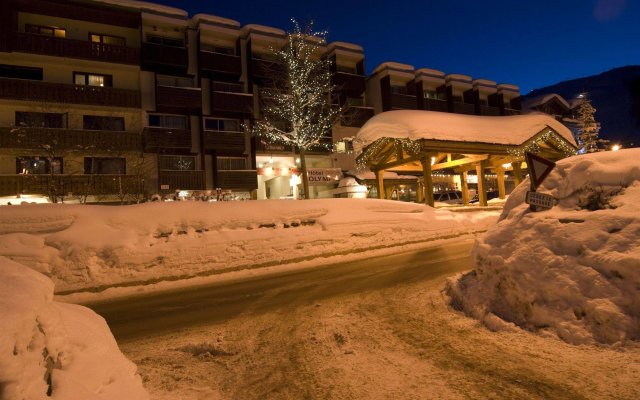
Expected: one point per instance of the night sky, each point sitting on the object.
(527, 43)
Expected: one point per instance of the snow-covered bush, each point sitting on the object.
(573, 271)
(56, 350)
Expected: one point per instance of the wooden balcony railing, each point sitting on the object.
(488, 110)
(178, 99)
(237, 180)
(356, 116)
(262, 70)
(65, 185)
(403, 101)
(164, 58)
(464, 108)
(47, 92)
(435, 105)
(71, 48)
(69, 139)
(237, 103)
(226, 143)
(169, 181)
(220, 65)
(352, 85)
(157, 140)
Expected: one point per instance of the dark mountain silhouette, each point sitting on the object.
(616, 96)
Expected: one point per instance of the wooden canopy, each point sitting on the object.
(422, 156)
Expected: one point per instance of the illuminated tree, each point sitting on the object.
(297, 109)
(588, 128)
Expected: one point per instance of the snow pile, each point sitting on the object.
(55, 350)
(573, 270)
(93, 247)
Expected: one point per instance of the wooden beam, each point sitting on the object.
(517, 172)
(465, 188)
(380, 183)
(428, 182)
(396, 163)
(482, 190)
(461, 161)
(501, 189)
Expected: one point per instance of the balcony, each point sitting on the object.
(403, 101)
(182, 180)
(227, 143)
(237, 104)
(159, 140)
(266, 70)
(71, 184)
(220, 66)
(178, 100)
(69, 139)
(352, 85)
(237, 179)
(464, 108)
(488, 110)
(356, 116)
(511, 111)
(435, 105)
(71, 48)
(163, 58)
(20, 89)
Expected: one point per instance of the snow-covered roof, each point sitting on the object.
(214, 19)
(430, 72)
(345, 46)
(509, 87)
(262, 29)
(146, 6)
(539, 100)
(433, 125)
(458, 77)
(394, 66)
(484, 82)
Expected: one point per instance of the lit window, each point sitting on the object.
(89, 79)
(107, 39)
(45, 30)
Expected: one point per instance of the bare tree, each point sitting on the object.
(299, 110)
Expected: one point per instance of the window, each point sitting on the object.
(175, 81)
(169, 121)
(227, 87)
(45, 30)
(107, 39)
(18, 72)
(433, 94)
(344, 146)
(100, 123)
(40, 120)
(165, 41)
(177, 163)
(105, 166)
(231, 163)
(91, 79)
(38, 165)
(223, 125)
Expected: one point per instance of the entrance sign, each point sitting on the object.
(323, 176)
(540, 200)
(539, 168)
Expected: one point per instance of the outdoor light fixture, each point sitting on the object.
(615, 147)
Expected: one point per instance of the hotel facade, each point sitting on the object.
(109, 100)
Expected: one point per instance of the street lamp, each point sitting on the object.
(615, 147)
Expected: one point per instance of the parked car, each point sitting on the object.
(449, 197)
(490, 195)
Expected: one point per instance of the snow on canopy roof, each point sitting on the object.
(215, 20)
(434, 125)
(394, 66)
(146, 6)
(539, 100)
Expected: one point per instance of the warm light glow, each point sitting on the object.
(284, 171)
(295, 180)
(506, 166)
(616, 147)
(268, 171)
(433, 160)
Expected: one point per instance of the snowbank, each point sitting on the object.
(53, 349)
(93, 247)
(573, 271)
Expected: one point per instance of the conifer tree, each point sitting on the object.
(298, 109)
(588, 128)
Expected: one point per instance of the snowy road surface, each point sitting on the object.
(376, 329)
